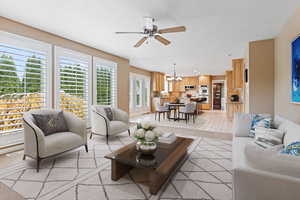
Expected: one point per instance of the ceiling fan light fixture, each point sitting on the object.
(148, 23)
(151, 31)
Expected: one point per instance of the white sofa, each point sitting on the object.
(267, 174)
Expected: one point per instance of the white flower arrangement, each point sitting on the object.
(146, 133)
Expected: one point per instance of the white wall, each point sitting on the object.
(283, 69)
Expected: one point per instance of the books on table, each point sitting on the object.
(167, 138)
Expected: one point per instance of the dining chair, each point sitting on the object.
(159, 109)
(188, 110)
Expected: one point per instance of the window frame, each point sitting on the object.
(97, 61)
(145, 106)
(60, 51)
(31, 44)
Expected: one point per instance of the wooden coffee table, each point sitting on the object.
(159, 166)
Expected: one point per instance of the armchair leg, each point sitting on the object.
(38, 164)
(91, 135)
(24, 157)
(129, 132)
(86, 148)
(106, 139)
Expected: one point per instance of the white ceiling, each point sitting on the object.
(215, 28)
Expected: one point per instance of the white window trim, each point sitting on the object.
(60, 51)
(97, 60)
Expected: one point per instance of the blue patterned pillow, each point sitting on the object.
(260, 120)
(292, 149)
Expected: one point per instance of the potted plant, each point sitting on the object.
(147, 138)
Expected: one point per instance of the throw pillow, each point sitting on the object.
(292, 149)
(260, 120)
(242, 124)
(51, 123)
(267, 138)
(292, 133)
(109, 113)
(270, 131)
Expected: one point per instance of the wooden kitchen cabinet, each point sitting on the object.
(178, 86)
(158, 81)
(205, 106)
(229, 81)
(233, 108)
(205, 80)
(238, 73)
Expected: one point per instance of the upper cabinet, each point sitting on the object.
(229, 82)
(179, 86)
(237, 74)
(205, 80)
(158, 81)
(193, 80)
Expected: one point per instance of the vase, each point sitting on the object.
(146, 148)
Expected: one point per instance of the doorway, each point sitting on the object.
(218, 95)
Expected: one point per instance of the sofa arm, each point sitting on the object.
(100, 124)
(76, 125)
(251, 184)
(34, 139)
(121, 115)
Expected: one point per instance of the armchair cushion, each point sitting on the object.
(118, 127)
(60, 142)
(51, 123)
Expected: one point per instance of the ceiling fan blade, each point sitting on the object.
(172, 30)
(140, 42)
(129, 32)
(162, 40)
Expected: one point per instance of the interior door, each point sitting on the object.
(217, 95)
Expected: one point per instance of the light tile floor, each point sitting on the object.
(213, 121)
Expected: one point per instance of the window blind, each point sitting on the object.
(106, 83)
(73, 73)
(23, 84)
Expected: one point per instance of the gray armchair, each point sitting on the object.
(38, 146)
(101, 125)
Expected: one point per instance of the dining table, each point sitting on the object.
(175, 107)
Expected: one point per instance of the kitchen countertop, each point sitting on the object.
(234, 102)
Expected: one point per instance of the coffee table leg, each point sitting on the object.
(156, 181)
(118, 170)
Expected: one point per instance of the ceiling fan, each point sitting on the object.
(151, 31)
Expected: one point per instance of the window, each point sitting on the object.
(139, 93)
(105, 76)
(73, 87)
(24, 79)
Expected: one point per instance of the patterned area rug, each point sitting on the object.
(77, 175)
